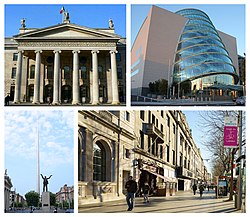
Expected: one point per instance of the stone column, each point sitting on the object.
(95, 92)
(115, 93)
(56, 77)
(36, 98)
(76, 86)
(18, 77)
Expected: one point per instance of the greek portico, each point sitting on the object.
(66, 63)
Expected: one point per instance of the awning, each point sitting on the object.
(167, 179)
(226, 87)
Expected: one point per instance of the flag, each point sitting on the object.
(62, 10)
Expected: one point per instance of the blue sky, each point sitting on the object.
(229, 19)
(56, 139)
(195, 122)
(39, 16)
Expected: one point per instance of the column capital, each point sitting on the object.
(38, 51)
(113, 51)
(20, 51)
(57, 51)
(94, 51)
(76, 51)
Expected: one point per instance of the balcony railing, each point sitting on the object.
(151, 130)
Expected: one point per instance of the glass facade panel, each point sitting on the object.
(201, 56)
(99, 161)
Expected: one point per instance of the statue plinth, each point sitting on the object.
(45, 201)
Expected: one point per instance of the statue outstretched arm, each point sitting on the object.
(49, 177)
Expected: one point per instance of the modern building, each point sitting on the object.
(185, 50)
(66, 63)
(152, 146)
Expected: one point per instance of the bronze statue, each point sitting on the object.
(45, 182)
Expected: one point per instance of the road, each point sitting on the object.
(182, 202)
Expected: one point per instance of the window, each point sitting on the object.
(173, 155)
(142, 139)
(15, 56)
(161, 128)
(162, 114)
(119, 73)
(168, 121)
(173, 129)
(161, 152)
(49, 72)
(127, 116)
(66, 72)
(153, 119)
(83, 72)
(32, 72)
(149, 145)
(118, 57)
(180, 160)
(127, 153)
(99, 162)
(101, 73)
(13, 73)
(167, 152)
(142, 113)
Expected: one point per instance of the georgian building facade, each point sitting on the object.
(152, 146)
(65, 63)
(7, 192)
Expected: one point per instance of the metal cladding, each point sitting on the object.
(201, 53)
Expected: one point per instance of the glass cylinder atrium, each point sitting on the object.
(201, 59)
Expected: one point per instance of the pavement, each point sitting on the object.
(182, 202)
(183, 102)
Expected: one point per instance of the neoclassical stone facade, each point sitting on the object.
(151, 145)
(65, 63)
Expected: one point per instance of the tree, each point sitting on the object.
(159, 87)
(52, 199)
(32, 198)
(213, 130)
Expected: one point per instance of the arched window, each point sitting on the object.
(99, 162)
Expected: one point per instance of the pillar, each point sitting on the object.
(95, 92)
(18, 77)
(76, 86)
(115, 93)
(36, 98)
(56, 77)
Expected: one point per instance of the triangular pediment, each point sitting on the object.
(67, 31)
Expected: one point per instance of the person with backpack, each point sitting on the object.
(131, 187)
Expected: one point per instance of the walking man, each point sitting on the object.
(201, 188)
(131, 187)
(194, 188)
(146, 190)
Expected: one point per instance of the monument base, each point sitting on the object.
(46, 201)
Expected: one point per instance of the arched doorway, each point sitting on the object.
(30, 93)
(66, 93)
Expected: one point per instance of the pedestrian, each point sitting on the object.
(7, 100)
(146, 190)
(131, 187)
(194, 188)
(201, 188)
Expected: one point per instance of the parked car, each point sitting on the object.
(241, 100)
